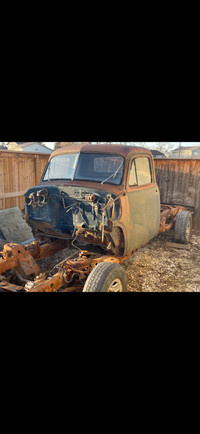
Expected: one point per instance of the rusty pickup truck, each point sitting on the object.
(103, 200)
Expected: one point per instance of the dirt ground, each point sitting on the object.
(155, 267)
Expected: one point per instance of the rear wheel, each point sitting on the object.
(106, 277)
(183, 227)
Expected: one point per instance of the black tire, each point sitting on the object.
(106, 277)
(183, 227)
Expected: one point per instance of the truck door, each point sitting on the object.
(144, 200)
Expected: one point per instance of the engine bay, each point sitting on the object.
(69, 212)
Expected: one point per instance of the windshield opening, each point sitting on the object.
(103, 168)
(61, 167)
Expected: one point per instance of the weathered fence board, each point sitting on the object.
(179, 182)
(18, 172)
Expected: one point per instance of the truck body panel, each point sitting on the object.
(118, 216)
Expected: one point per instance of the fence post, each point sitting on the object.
(36, 171)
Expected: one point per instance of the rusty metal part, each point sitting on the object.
(90, 197)
(15, 256)
(24, 258)
(50, 285)
(45, 250)
(71, 275)
(73, 288)
(6, 286)
(111, 201)
(168, 216)
(80, 267)
(84, 235)
(102, 227)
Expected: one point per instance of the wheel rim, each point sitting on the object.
(116, 286)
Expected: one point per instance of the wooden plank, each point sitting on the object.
(4, 181)
(1, 182)
(22, 154)
(178, 246)
(13, 194)
(9, 186)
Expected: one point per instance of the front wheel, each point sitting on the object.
(106, 277)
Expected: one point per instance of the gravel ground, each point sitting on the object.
(158, 268)
(155, 267)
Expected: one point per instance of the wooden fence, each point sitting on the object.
(179, 183)
(178, 179)
(18, 172)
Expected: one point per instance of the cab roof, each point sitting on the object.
(108, 148)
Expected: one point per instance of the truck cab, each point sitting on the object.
(104, 195)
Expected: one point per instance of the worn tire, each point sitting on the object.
(106, 275)
(183, 227)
